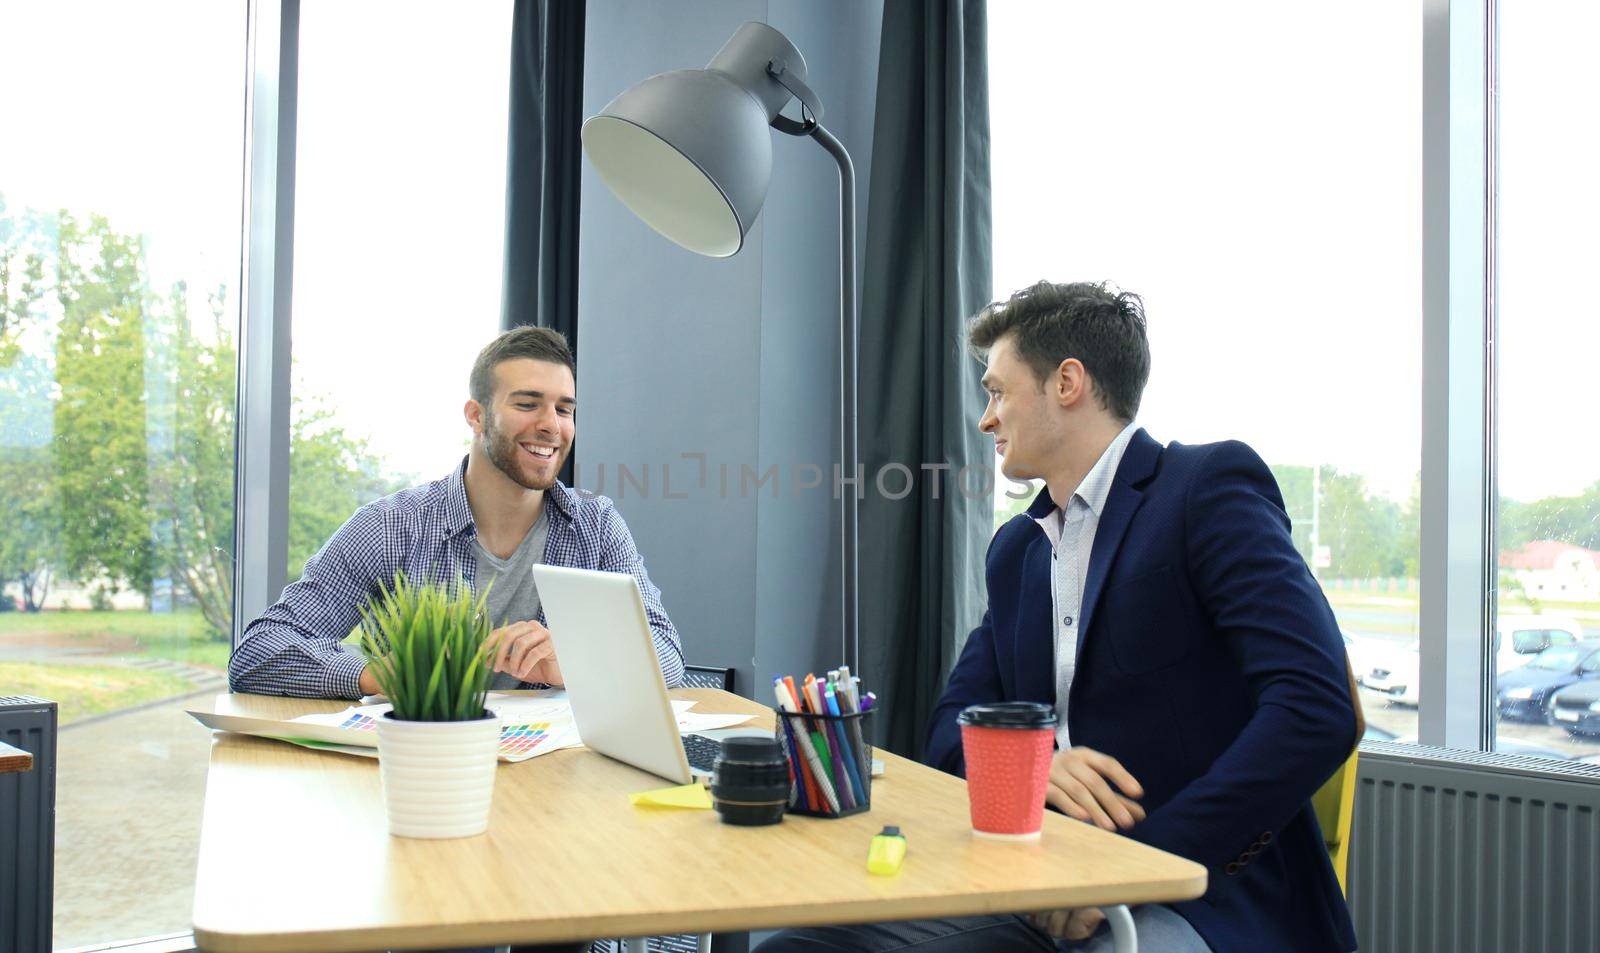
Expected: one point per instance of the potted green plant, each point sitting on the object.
(428, 648)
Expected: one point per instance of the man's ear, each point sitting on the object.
(473, 412)
(1071, 382)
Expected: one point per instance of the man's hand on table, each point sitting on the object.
(1081, 782)
(522, 650)
(369, 682)
(525, 651)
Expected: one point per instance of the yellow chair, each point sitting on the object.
(1335, 801)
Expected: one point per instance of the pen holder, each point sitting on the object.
(823, 750)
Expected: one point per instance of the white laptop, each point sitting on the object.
(608, 660)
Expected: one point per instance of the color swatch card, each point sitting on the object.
(521, 742)
(531, 725)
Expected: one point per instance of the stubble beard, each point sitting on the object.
(503, 452)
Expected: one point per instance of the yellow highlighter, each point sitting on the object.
(887, 851)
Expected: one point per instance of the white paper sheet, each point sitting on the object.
(534, 723)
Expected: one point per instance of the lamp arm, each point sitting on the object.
(808, 103)
(849, 536)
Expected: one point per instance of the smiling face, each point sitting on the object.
(1022, 416)
(527, 429)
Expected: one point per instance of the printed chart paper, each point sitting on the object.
(532, 723)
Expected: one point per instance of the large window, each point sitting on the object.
(119, 300)
(1253, 170)
(1548, 630)
(400, 222)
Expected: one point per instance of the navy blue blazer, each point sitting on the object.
(1209, 664)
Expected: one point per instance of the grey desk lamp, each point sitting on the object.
(689, 153)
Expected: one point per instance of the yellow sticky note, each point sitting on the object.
(692, 796)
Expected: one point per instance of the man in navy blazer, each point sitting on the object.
(1165, 613)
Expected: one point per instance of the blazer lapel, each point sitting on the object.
(1138, 464)
(1036, 643)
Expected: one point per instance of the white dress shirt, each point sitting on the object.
(1071, 532)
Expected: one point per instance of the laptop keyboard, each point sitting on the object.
(701, 751)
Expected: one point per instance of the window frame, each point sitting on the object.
(1457, 605)
(261, 495)
(1458, 599)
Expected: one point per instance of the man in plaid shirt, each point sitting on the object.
(491, 519)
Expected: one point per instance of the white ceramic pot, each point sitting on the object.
(438, 776)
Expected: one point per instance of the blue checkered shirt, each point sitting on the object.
(295, 647)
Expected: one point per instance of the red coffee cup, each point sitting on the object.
(1008, 746)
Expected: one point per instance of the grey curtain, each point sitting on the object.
(926, 270)
(543, 161)
(540, 285)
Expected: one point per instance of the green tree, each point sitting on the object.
(29, 522)
(1369, 536)
(1567, 519)
(22, 285)
(30, 528)
(1410, 535)
(100, 444)
(331, 474)
(117, 443)
(192, 485)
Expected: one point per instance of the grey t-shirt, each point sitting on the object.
(513, 597)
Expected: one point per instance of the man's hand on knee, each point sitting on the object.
(1078, 924)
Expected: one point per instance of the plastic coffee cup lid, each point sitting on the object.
(1009, 715)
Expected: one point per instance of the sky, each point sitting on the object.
(400, 187)
(148, 136)
(1252, 168)
(400, 217)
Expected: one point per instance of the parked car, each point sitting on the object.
(1360, 652)
(1577, 708)
(1394, 672)
(1524, 693)
(1517, 640)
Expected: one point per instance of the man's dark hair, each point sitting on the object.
(539, 344)
(1101, 327)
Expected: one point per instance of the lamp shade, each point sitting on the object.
(689, 151)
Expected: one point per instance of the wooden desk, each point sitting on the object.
(295, 856)
(14, 759)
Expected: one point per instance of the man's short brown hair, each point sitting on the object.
(1099, 326)
(539, 344)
